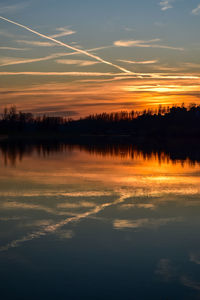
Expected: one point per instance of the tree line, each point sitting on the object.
(164, 121)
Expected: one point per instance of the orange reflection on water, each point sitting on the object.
(93, 168)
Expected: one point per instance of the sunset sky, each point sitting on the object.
(82, 56)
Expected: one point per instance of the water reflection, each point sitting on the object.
(13, 152)
(98, 222)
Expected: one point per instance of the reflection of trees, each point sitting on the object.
(13, 152)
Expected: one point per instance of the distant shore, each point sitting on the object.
(166, 125)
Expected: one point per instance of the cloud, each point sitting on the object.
(167, 68)
(65, 234)
(26, 206)
(67, 46)
(195, 258)
(100, 48)
(145, 62)
(87, 194)
(190, 283)
(133, 43)
(142, 223)
(63, 31)
(53, 110)
(38, 223)
(6, 9)
(13, 48)
(80, 63)
(124, 224)
(8, 61)
(82, 204)
(144, 44)
(138, 205)
(6, 34)
(163, 88)
(63, 194)
(100, 95)
(196, 11)
(191, 65)
(36, 43)
(165, 5)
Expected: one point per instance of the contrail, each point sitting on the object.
(94, 74)
(66, 45)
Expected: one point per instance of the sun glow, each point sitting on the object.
(162, 88)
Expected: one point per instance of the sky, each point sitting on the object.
(80, 57)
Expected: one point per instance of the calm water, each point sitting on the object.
(90, 223)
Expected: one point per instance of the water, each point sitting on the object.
(80, 222)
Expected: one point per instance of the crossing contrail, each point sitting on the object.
(66, 45)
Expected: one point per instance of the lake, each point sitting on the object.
(98, 222)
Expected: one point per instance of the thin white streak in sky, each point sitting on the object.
(62, 74)
(125, 75)
(66, 45)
